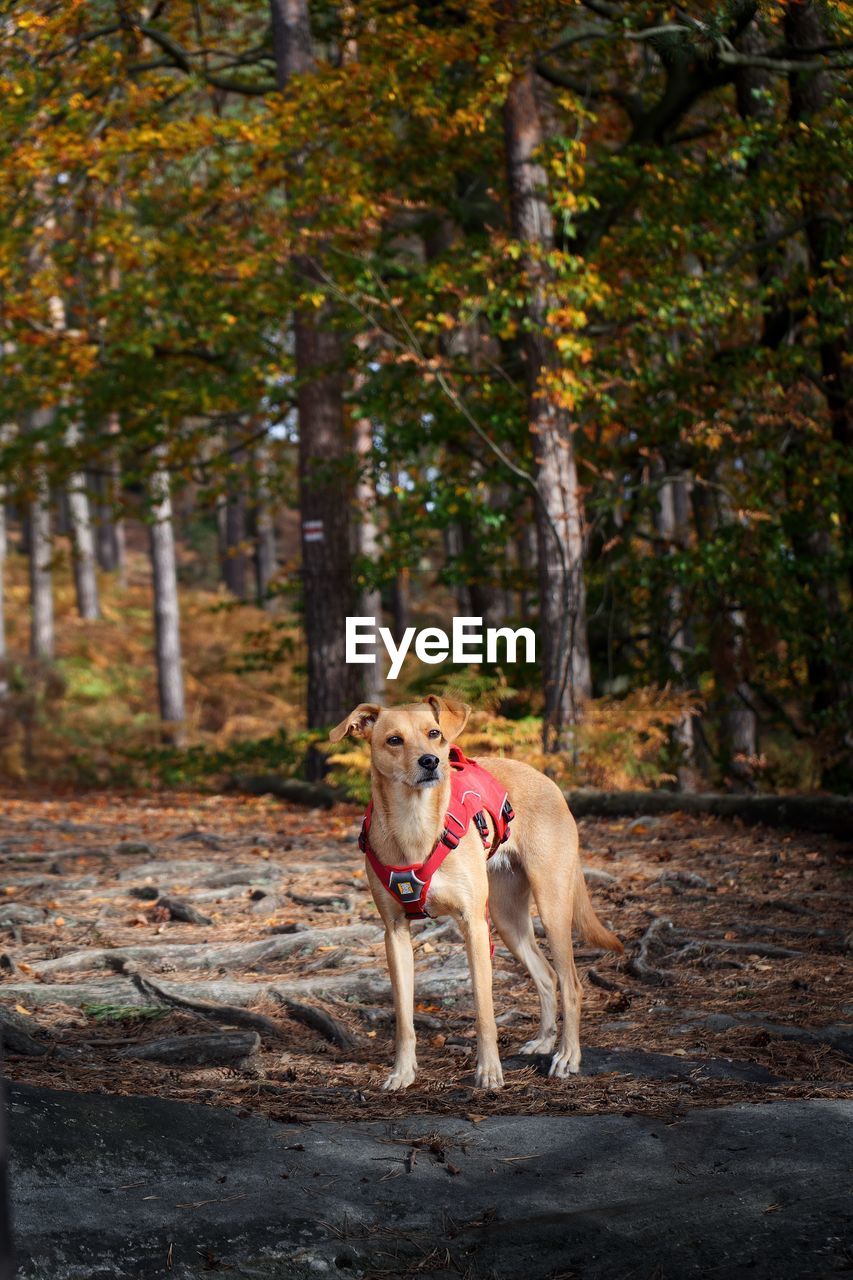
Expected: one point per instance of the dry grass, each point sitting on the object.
(108, 710)
(103, 726)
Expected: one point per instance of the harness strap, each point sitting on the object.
(410, 884)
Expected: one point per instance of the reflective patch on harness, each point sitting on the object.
(405, 884)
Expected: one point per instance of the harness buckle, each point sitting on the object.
(450, 840)
(406, 886)
(362, 837)
(507, 812)
(482, 826)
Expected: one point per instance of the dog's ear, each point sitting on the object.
(359, 722)
(452, 716)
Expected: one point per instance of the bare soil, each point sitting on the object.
(755, 969)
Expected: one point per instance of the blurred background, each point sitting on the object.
(534, 312)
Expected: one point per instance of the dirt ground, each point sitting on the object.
(755, 969)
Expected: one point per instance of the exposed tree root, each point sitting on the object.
(659, 932)
(186, 955)
(319, 1020)
(178, 909)
(217, 1049)
(229, 1014)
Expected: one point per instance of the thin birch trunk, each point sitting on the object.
(83, 539)
(110, 534)
(170, 680)
(672, 520)
(41, 570)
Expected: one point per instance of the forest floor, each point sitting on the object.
(746, 995)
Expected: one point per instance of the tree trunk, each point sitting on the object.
(736, 720)
(324, 486)
(809, 93)
(325, 497)
(235, 561)
(167, 636)
(110, 539)
(401, 603)
(367, 539)
(4, 680)
(527, 570)
(41, 556)
(672, 520)
(822, 203)
(452, 538)
(567, 676)
(265, 548)
(82, 536)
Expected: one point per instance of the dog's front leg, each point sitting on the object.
(476, 931)
(401, 964)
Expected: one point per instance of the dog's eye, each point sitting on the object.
(434, 733)
(395, 740)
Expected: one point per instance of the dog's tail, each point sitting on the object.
(587, 922)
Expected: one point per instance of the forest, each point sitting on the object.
(532, 313)
(506, 343)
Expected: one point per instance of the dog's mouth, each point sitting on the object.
(427, 780)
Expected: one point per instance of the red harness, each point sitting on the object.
(473, 792)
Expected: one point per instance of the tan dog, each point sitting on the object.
(540, 857)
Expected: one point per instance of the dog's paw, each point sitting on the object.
(565, 1063)
(489, 1076)
(542, 1044)
(400, 1078)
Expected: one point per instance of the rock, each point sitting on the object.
(20, 913)
(144, 1188)
(839, 1035)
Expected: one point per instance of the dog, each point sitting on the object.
(411, 763)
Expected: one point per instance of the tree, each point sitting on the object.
(325, 493)
(559, 512)
(167, 634)
(82, 534)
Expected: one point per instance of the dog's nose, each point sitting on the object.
(429, 762)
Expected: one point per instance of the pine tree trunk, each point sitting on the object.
(325, 498)
(167, 636)
(82, 537)
(324, 487)
(265, 548)
(567, 675)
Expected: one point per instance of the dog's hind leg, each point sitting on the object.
(554, 900)
(509, 906)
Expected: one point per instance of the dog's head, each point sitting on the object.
(408, 744)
